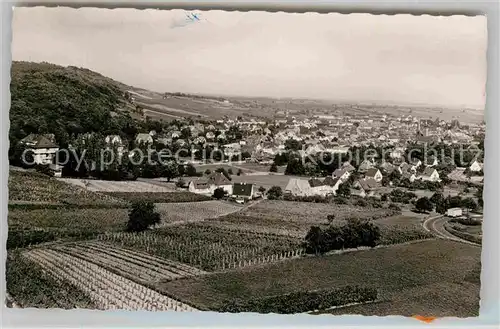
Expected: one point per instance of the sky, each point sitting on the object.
(400, 59)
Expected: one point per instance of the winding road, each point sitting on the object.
(435, 225)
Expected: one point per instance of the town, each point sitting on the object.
(256, 162)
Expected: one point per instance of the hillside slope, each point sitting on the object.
(48, 98)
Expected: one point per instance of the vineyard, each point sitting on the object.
(117, 186)
(107, 290)
(134, 265)
(38, 188)
(209, 248)
(185, 212)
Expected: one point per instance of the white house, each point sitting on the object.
(207, 185)
(144, 138)
(44, 149)
(430, 175)
(374, 173)
(314, 186)
(454, 212)
(475, 166)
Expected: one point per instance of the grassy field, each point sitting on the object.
(183, 212)
(159, 197)
(423, 266)
(32, 187)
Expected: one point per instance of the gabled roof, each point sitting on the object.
(218, 178)
(339, 172)
(297, 184)
(201, 184)
(371, 172)
(330, 181)
(347, 166)
(368, 184)
(314, 182)
(428, 171)
(242, 189)
(37, 141)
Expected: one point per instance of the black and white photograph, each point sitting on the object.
(234, 162)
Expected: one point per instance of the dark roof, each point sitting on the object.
(242, 189)
(330, 181)
(371, 172)
(339, 172)
(314, 182)
(368, 184)
(39, 141)
(428, 171)
(218, 178)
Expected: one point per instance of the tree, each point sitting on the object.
(142, 216)
(219, 193)
(314, 241)
(224, 172)
(262, 189)
(274, 193)
(170, 170)
(240, 172)
(191, 170)
(330, 218)
(230, 171)
(274, 168)
(295, 167)
(344, 190)
(208, 172)
(436, 198)
(293, 144)
(469, 204)
(423, 204)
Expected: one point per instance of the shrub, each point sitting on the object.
(274, 193)
(181, 183)
(394, 206)
(361, 203)
(142, 216)
(274, 168)
(423, 204)
(219, 193)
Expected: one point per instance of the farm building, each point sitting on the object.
(207, 185)
(314, 186)
(374, 173)
(454, 212)
(430, 175)
(244, 191)
(368, 186)
(43, 146)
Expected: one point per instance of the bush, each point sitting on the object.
(274, 193)
(361, 203)
(219, 193)
(394, 206)
(274, 168)
(181, 183)
(424, 204)
(355, 233)
(142, 217)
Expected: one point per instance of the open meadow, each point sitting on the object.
(392, 270)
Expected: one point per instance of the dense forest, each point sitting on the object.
(66, 101)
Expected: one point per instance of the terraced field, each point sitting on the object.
(209, 248)
(108, 290)
(137, 266)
